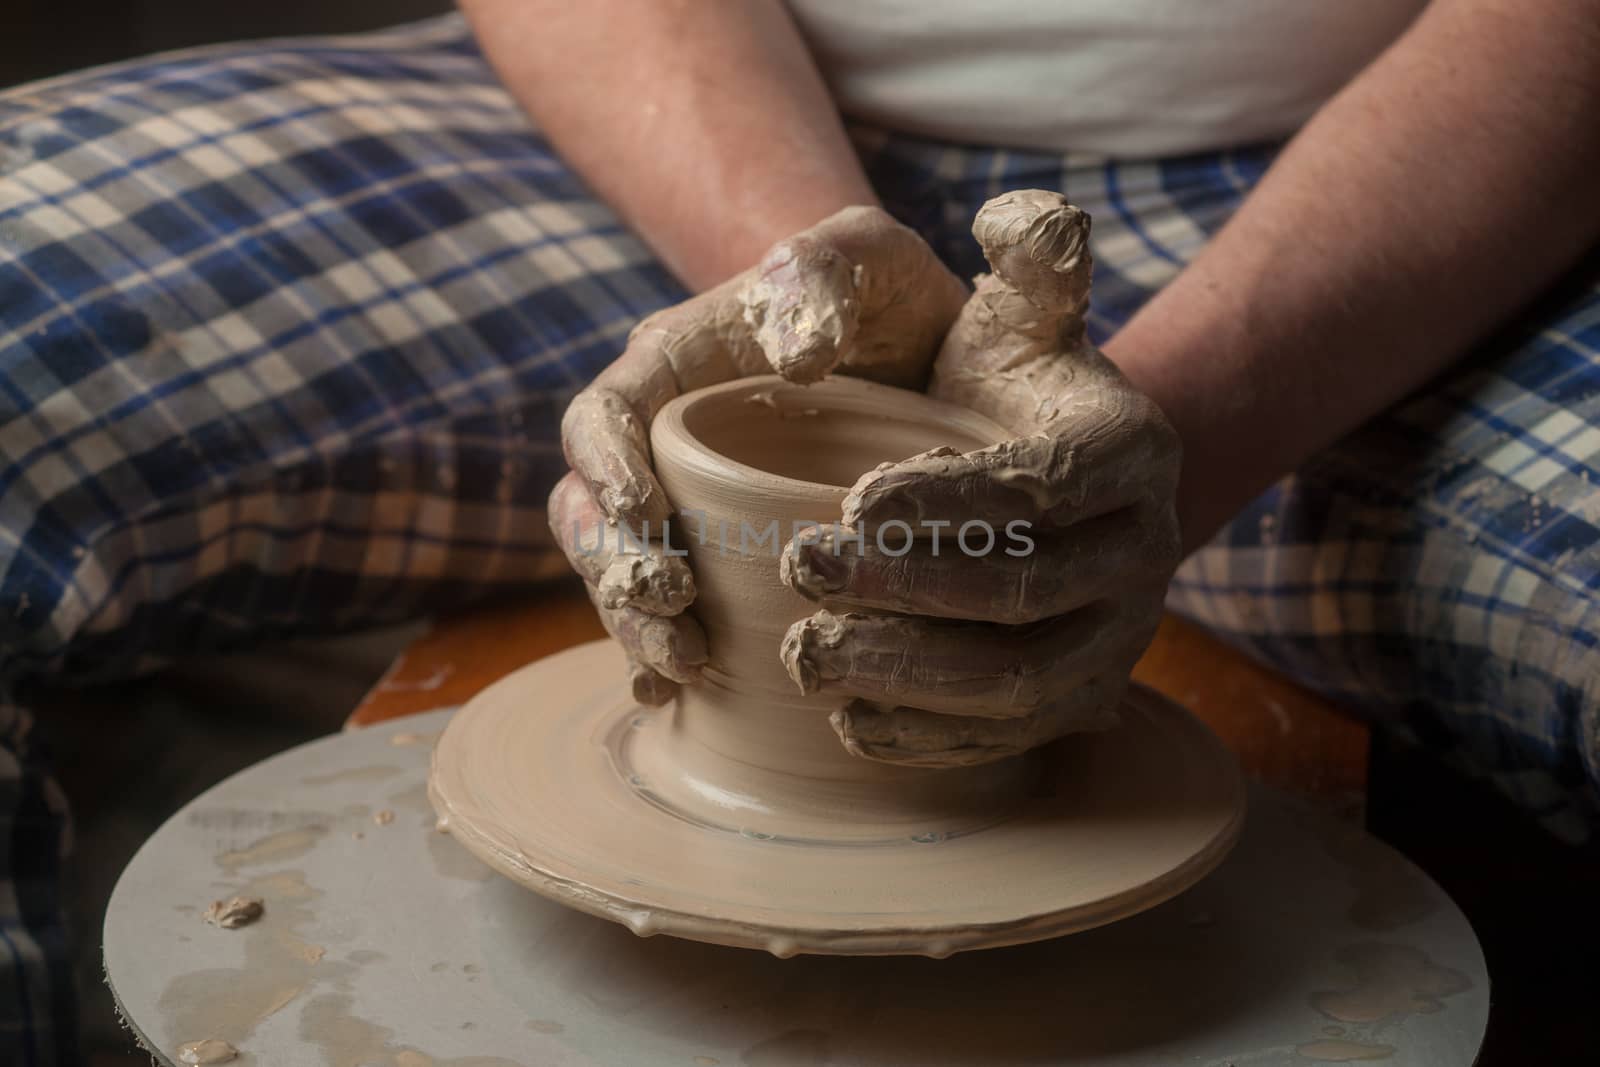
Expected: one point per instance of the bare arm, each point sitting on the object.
(1441, 190)
(703, 122)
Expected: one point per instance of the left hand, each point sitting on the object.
(952, 659)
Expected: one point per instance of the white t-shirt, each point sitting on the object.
(1131, 78)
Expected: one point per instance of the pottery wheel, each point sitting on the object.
(385, 944)
(547, 776)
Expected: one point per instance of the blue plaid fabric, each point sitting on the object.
(286, 331)
(1439, 570)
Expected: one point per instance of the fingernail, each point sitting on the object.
(809, 649)
(820, 570)
(650, 688)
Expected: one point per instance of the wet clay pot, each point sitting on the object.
(748, 465)
(736, 816)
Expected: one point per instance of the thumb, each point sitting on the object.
(801, 306)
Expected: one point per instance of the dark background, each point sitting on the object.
(43, 37)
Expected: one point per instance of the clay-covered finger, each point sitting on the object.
(650, 687)
(800, 304)
(623, 570)
(909, 295)
(704, 341)
(1095, 465)
(661, 651)
(605, 430)
(979, 572)
(917, 738)
(673, 646)
(607, 443)
(977, 669)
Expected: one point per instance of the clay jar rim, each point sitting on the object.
(672, 432)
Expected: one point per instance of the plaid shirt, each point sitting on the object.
(286, 330)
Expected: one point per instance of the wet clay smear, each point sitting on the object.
(208, 1050)
(1343, 1051)
(1391, 981)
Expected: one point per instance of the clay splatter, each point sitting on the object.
(229, 1002)
(349, 1041)
(357, 774)
(274, 848)
(1344, 1051)
(235, 912)
(1391, 981)
(307, 951)
(207, 1051)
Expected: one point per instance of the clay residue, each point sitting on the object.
(280, 967)
(347, 1040)
(234, 912)
(355, 774)
(545, 1026)
(402, 740)
(1391, 981)
(805, 641)
(659, 585)
(383, 817)
(307, 951)
(274, 848)
(228, 1003)
(1343, 1051)
(207, 1050)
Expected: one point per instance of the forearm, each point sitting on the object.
(1439, 192)
(703, 122)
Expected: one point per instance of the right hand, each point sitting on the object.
(857, 293)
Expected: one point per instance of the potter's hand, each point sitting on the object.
(858, 292)
(951, 659)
